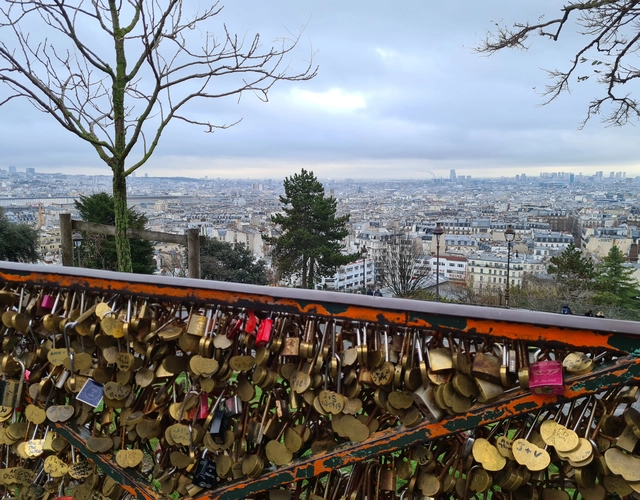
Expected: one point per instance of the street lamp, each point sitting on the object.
(77, 241)
(509, 235)
(363, 252)
(437, 231)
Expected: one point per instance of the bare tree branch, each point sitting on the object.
(398, 268)
(171, 51)
(612, 36)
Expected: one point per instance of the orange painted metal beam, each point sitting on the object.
(535, 327)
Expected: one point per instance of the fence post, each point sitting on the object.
(66, 240)
(193, 253)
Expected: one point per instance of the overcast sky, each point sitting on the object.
(399, 94)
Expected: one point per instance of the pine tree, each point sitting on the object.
(223, 261)
(99, 251)
(18, 242)
(311, 244)
(614, 283)
(573, 272)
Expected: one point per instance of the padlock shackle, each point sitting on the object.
(71, 324)
(339, 374)
(219, 400)
(23, 373)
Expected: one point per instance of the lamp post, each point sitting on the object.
(509, 235)
(363, 252)
(437, 231)
(77, 241)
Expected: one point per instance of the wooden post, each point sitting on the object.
(193, 253)
(66, 240)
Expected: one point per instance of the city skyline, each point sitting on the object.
(452, 175)
(399, 90)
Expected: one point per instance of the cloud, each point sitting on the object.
(334, 100)
(399, 92)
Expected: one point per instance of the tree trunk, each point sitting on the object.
(123, 250)
(304, 271)
(311, 280)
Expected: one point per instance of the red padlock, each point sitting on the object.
(264, 332)
(203, 409)
(545, 377)
(252, 321)
(234, 328)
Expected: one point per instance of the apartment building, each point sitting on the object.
(452, 267)
(549, 243)
(487, 270)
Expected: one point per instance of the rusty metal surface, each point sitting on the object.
(532, 326)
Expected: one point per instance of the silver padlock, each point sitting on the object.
(425, 400)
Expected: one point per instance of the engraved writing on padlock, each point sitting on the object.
(545, 377)
(11, 390)
(9, 393)
(205, 475)
(197, 325)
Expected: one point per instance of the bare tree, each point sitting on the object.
(116, 72)
(398, 267)
(611, 29)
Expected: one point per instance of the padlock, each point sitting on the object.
(197, 325)
(486, 366)
(264, 332)
(219, 426)
(426, 403)
(251, 322)
(203, 408)
(545, 377)
(11, 390)
(233, 405)
(205, 475)
(387, 476)
(235, 326)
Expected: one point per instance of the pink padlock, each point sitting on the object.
(545, 377)
(47, 302)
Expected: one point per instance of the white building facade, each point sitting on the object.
(489, 271)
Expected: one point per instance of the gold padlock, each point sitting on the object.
(197, 325)
(11, 390)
